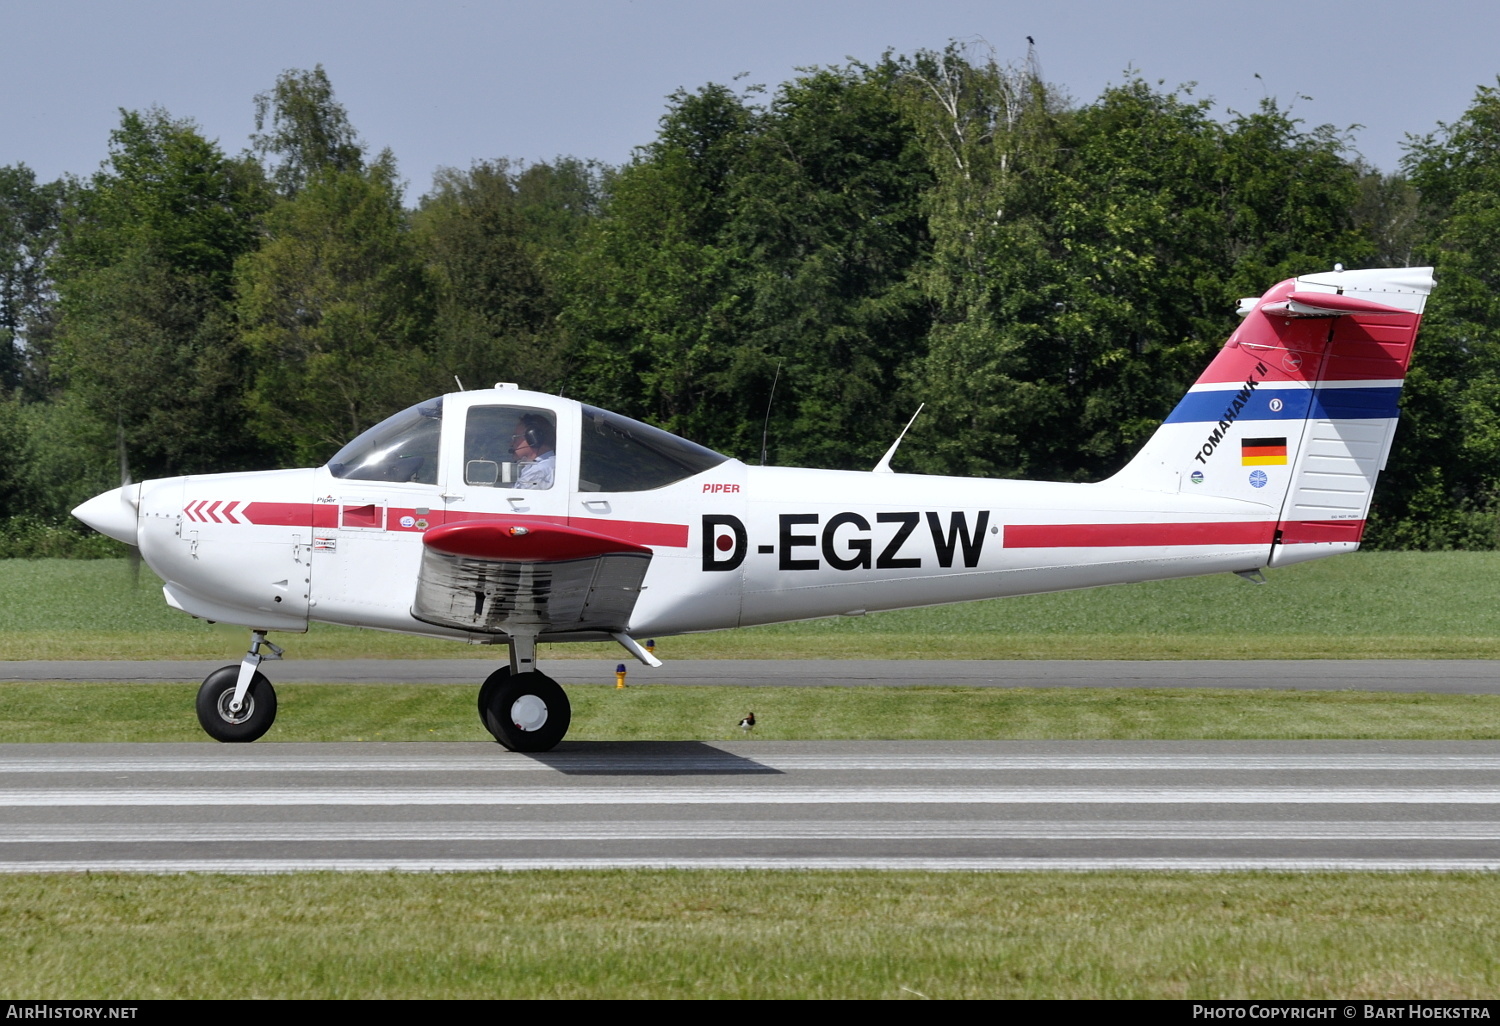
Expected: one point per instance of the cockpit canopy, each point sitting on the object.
(513, 445)
(403, 447)
(623, 455)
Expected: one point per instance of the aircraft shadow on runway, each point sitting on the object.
(647, 758)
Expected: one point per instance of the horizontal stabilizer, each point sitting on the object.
(1326, 304)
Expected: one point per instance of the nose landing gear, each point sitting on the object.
(237, 703)
(253, 718)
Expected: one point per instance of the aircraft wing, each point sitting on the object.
(504, 576)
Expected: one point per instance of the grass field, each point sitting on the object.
(1393, 605)
(659, 934)
(51, 712)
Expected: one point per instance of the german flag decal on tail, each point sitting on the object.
(1263, 452)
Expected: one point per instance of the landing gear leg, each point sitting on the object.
(237, 703)
(523, 708)
(249, 665)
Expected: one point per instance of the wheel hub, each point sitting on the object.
(228, 715)
(529, 713)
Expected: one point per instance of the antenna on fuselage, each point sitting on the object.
(766, 427)
(460, 384)
(884, 466)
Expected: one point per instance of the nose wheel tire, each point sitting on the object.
(253, 718)
(525, 712)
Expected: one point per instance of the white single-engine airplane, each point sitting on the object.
(506, 516)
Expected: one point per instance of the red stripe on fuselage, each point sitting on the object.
(325, 515)
(1071, 536)
(291, 514)
(641, 532)
(1093, 536)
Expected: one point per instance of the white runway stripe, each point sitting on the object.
(503, 762)
(1012, 865)
(743, 792)
(739, 830)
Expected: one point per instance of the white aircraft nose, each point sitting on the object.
(115, 513)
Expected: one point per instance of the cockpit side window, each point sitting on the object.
(624, 455)
(403, 447)
(510, 447)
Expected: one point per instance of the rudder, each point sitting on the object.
(1298, 410)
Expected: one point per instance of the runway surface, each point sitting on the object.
(793, 805)
(1459, 676)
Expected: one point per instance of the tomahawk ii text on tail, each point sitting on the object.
(502, 516)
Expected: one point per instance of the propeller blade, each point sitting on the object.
(132, 552)
(124, 461)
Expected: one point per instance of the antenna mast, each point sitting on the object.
(766, 427)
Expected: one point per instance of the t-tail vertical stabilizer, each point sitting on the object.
(1298, 409)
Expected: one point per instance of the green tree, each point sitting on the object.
(829, 235)
(309, 131)
(336, 312)
(1389, 214)
(748, 242)
(992, 136)
(1087, 260)
(494, 238)
(1444, 487)
(335, 307)
(146, 340)
(649, 310)
(57, 455)
(30, 217)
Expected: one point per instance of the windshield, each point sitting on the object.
(624, 455)
(403, 447)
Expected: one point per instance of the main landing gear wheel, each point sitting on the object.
(526, 712)
(487, 690)
(253, 719)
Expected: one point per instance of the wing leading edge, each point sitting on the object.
(500, 577)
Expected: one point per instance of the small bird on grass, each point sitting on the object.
(748, 723)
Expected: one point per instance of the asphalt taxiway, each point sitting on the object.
(1457, 676)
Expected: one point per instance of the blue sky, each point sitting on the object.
(444, 83)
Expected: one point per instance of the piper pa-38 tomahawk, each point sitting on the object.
(506, 516)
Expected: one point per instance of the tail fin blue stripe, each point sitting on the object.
(1295, 404)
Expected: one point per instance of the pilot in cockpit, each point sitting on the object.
(532, 444)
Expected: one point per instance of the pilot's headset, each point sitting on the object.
(538, 432)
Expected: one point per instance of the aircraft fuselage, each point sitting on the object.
(732, 547)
